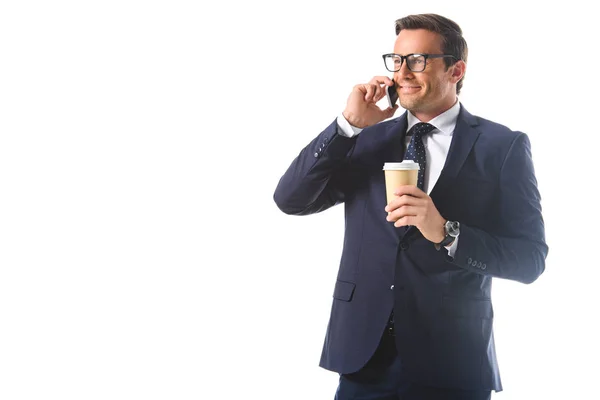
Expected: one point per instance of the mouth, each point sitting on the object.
(409, 89)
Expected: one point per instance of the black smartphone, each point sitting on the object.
(392, 95)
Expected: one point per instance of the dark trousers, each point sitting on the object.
(381, 379)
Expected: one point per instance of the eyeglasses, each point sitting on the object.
(414, 62)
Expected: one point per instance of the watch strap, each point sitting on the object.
(447, 240)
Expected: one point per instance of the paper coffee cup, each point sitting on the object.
(399, 174)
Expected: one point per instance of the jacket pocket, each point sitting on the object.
(343, 290)
(475, 307)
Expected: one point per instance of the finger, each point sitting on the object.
(404, 200)
(370, 92)
(380, 93)
(389, 112)
(360, 89)
(381, 86)
(404, 211)
(395, 203)
(381, 80)
(409, 190)
(376, 91)
(404, 221)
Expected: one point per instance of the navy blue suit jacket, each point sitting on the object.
(442, 307)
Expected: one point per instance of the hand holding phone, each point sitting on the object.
(361, 108)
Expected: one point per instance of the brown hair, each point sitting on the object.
(452, 40)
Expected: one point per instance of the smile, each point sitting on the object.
(409, 89)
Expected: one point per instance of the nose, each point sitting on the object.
(404, 72)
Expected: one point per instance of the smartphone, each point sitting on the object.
(392, 95)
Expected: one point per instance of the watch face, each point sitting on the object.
(453, 228)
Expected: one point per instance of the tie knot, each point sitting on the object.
(420, 129)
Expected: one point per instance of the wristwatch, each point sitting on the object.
(452, 230)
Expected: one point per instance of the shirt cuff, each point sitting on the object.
(452, 248)
(345, 128)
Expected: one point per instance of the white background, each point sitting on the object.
(141, 253)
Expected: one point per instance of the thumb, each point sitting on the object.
(389, 112)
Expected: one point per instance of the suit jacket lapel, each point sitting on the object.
(395, 151)
(464, 137)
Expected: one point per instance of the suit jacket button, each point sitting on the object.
(392, 287)
(403, 246)
(316, 155)
(483, 266)
(470, 261)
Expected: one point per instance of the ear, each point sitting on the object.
(457, 71)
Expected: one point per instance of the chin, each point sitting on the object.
(409, 104)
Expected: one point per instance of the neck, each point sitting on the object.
(428, 115)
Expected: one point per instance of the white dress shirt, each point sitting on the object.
(437, 144)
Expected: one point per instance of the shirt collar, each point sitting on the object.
(444, 123)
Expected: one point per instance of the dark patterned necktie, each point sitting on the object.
(416, 149)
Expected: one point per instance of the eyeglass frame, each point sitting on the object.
(425, 55)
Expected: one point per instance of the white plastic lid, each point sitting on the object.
(404, 165)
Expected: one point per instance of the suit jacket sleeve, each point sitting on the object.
(517, 250)
(316, 179)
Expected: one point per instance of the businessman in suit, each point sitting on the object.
(412, 316)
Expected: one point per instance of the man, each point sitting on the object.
(412, 316)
